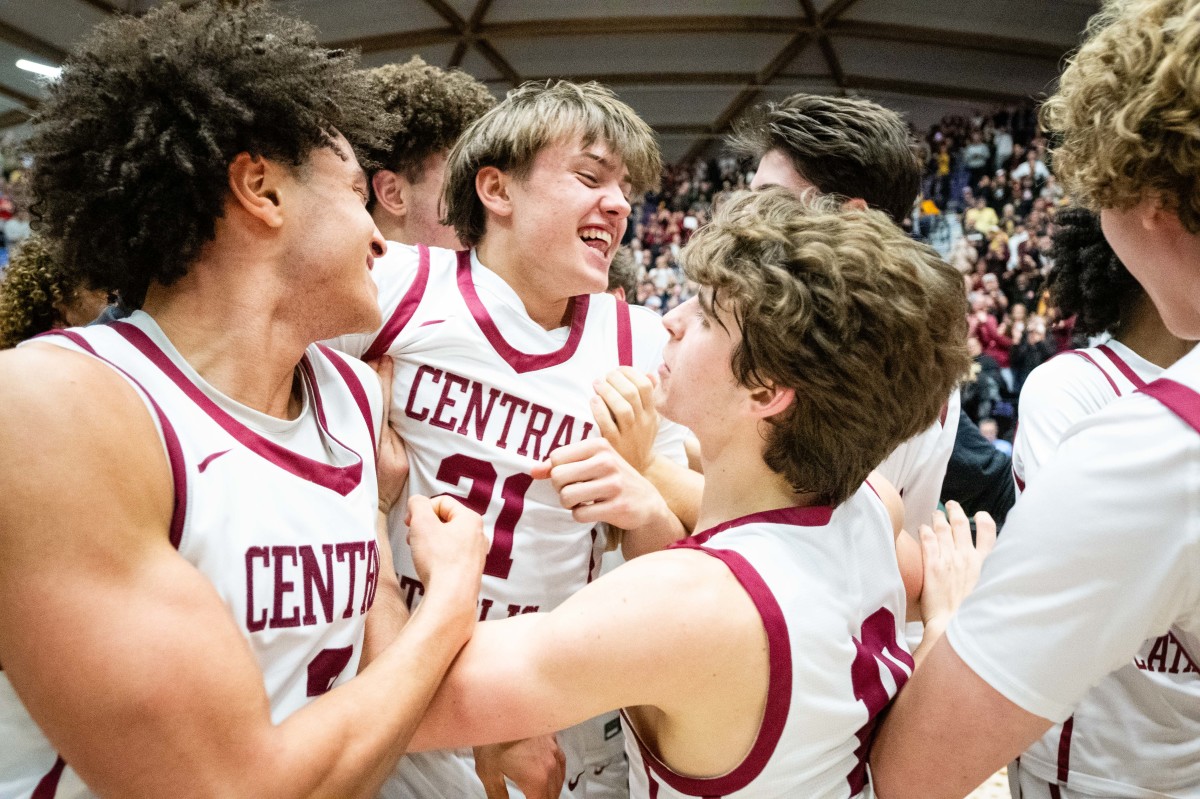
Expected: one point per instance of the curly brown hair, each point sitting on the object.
(868, 326)
(431, 108)
(32, 291)
(841, 145)
(1126, 110)
(133, 146)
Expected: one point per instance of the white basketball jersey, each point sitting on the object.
(1151, 704)
(828, 589)
(1066, 389)
(917, 467)
(278, 515)
(482, 393)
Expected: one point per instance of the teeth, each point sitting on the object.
(592, 233)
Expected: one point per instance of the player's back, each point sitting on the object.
(828, 590)
(1138, 729)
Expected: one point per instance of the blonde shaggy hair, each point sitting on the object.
(1128, 109)
(868, 326)
(533, 117)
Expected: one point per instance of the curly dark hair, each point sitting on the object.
(431, 107)
(1088, 280)
(133, 146)
(32, 291)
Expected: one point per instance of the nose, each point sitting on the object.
(673, 319)
(614, 202)
(378, 243)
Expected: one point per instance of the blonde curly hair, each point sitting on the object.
(1128, 109)
(32, 291)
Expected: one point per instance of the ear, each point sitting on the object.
(767, 401)
(855, 204)
(254, 184)
(388, 188)
(492, 188)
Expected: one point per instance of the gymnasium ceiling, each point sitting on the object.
(689, 67)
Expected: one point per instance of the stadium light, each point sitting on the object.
(41, 69)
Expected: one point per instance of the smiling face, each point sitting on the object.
(334, 242)
(568, 215)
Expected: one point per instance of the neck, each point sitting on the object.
(230, 323)
(738, 482)
(1143, 332)
(503, 258)
(391, 228)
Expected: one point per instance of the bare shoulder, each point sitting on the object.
(74, 431)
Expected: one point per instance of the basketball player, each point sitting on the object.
(430, 109)
(1154, 693)
(1103, 550)
(189, 547)
(497, 348)
(35, 298)
(753, 657)
(858, 150)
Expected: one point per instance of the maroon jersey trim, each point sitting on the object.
(1064, 750)
(340, 479)
(354, 385)
(1179, 399)
(811, 516)
(170, 440)
(404, 311)
(1122, 367)
(521, 362)
(1092, 361)
(47, 786)
(779, 692)
(624, 334)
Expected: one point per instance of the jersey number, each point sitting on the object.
(482, 476)
(876, 646)
(326, 667)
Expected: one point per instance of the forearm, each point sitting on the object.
(662, 529)
(679, 486)
(947, 732)
(388, 613)
(347, 742)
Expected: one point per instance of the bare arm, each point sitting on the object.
(625, 640)
(117, 645)
(944, 708)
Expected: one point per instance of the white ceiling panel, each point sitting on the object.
(576, 55)
(923, 64)
(475, 64)
(349, 19)
(1057, 21)
(715, 68)
(678, 105)
(517, 10)
(60, 23)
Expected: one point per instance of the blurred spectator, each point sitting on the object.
(990, 430)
